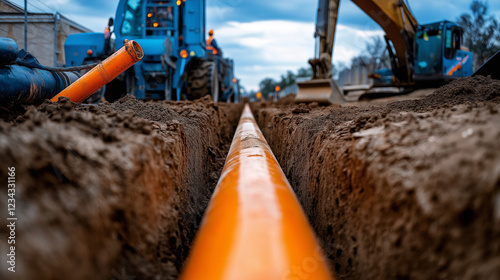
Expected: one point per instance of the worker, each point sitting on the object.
(107, 37)
(107, 40)
(164, 16)
(170, 15)
(107, 33)
(211, 43)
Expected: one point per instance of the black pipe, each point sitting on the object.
(23, 85)
(8, 51)
(23, 80)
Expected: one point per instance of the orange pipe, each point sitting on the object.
(254, 227)
(103, 73)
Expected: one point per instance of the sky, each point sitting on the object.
(266, 38)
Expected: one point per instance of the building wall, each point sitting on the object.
(41, 30)
(40, 39)
(8, 8)
(356, 75)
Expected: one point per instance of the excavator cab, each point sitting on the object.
(438, 53)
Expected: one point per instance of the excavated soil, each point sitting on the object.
(406, 190)
(403, 190)
(114, 191)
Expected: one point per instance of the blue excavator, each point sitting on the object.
(176, 63)
(420, 55)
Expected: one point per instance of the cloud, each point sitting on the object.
(266, 48)
(269, 48)
(258, 10)
(350, 42)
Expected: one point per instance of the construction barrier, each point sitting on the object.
(254, 226)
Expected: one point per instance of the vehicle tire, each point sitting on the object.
(96, 97)
(130, 82)
(203, 80)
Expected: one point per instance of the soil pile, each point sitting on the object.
(114, 190)
(464, 90)
(410, 190)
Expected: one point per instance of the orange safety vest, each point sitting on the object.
(209, 44)
(106, 32)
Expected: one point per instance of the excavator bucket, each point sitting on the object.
(490, 67)
(323, 91)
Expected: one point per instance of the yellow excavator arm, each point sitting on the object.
(393, 16)
(396, 20)
(399, 25)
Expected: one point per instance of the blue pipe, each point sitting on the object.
(20, 84)
(23, 80)
(8, 51)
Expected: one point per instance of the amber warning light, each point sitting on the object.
(184, 53)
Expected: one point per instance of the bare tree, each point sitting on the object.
(480, 32)
(374, 56)
(377, 54)
(304, 72)
(267, 86)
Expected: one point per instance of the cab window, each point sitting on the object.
(132, 25)
(428, 51)
(160, 17)
(452, 42)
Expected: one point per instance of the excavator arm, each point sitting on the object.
(400, 26)
(393, 16)
(396, 20)
(326, 24)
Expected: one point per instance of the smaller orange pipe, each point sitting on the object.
(103, 73)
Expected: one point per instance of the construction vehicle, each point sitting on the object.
(176, 63)
(420, 55)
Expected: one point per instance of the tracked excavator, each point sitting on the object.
(420, 55)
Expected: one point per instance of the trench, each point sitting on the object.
(112, 191)
(404, 190)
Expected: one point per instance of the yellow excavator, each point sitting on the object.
(420, 54)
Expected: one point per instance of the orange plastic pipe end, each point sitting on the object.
(103, 73)
(254, 226)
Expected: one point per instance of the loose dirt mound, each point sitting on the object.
(110, 191)
(289, 99)
(470, 89)
(410, 190)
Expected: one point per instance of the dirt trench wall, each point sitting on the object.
(410, 190)
(111, 191)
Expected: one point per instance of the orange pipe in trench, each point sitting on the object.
(103, 73)
(254, 227)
